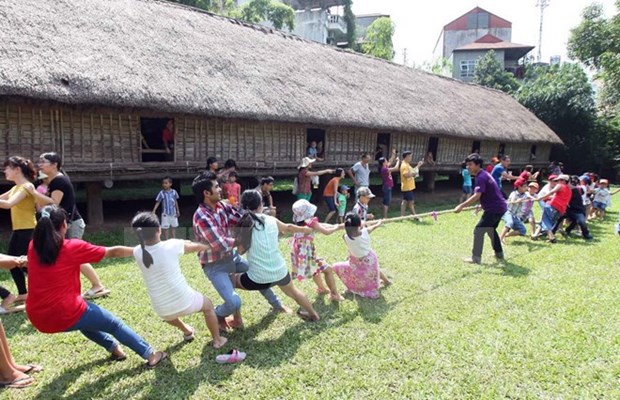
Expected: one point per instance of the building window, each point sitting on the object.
(468, 68)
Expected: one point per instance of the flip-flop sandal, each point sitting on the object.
(190, 337)
(233, 356)
(18, 383)
(161, 358)
(10, 310)
(33, 369)
(93, 294)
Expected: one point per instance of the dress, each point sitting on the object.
(360, 273)
(303, 255)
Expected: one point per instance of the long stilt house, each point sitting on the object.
(98, 80)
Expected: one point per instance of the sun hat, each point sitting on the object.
(552, 177)
(562, 177)
(364, 191)
(603, 182)
(533, 184)
(303, 210)
(305, 162)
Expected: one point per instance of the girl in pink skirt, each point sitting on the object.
(360, 274)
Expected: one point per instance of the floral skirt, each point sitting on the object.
(304, 259)
(360, 275)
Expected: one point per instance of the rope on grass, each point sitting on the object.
(433, 214)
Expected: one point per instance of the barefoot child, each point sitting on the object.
(170, 294)
(343, 195)
(303, 255)
(527, 212)
(232, 190)
(513, 223)
(360, 273)
(257, 235)
(168, 198)
(602, 199)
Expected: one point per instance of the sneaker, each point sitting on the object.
(500, 257)
(472, 260)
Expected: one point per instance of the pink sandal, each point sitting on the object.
(233, 356)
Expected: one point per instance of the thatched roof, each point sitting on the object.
(160, 56)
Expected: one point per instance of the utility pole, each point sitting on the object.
(542, 4)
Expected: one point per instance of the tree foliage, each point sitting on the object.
(439, 66)
(378, 39)
(256, 11)
(349, 19)
(490, 73)
(563, 98)
(596, 43)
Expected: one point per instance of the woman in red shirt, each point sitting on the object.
(556, 207)
(55, 303)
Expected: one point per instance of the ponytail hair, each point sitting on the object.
(352, 222)
(250, 203)
(47, 238)
(145, 225)
(25, 165)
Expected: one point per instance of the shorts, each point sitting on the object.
(467, 189)
(330, 203)
(408, 195)
(75, 229)
(169, 221)
(387, 196)
(196, 306)
(514, 223)
(249, 284)
(528, 216)
(342, 211)
(599, 205)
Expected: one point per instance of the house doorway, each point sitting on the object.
(475, 147)
(383, 146)
(152, 144)
(433, 145)
(315, 143)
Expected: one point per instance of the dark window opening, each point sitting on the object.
(475, 147)
(157, 139)
(383, 146)
(502, 150)
(533, 152)
(433, 145)
(315, 142)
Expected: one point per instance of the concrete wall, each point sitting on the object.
(459, 56)
(455, 39)
(311, 25)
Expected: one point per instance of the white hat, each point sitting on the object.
(303, 210)
(562, 177)
(305, 162)
(365, 191)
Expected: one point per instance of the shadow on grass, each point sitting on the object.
(513, 270)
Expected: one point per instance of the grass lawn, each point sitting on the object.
(544, 325)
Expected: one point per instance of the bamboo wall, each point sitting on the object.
(101, 139)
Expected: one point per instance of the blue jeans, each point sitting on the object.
(549, 217)
(219, 274)
(102, 327)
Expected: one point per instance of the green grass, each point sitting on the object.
(545, 325)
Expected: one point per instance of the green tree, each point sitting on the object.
(490, 72)
(596, 43)
(563, 98)
(349, 19)
(222, 7)
(378, 39)
(256, 11)
(439, 66)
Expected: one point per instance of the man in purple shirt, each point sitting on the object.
(493, 204)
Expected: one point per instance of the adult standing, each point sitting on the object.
(561, 195)
(213, 222)
(493, 204)
(60, 192)
(407, 182)
(304, 175)
(360, 173)
(500, 173)
(21, 203)
(386, 168)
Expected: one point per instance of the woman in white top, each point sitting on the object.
(171, 296)
(360, 273)
(257, 235)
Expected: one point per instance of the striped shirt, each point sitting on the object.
(266, 262)
(168, 199)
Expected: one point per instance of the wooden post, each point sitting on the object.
(429, 180)
(94, 203)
